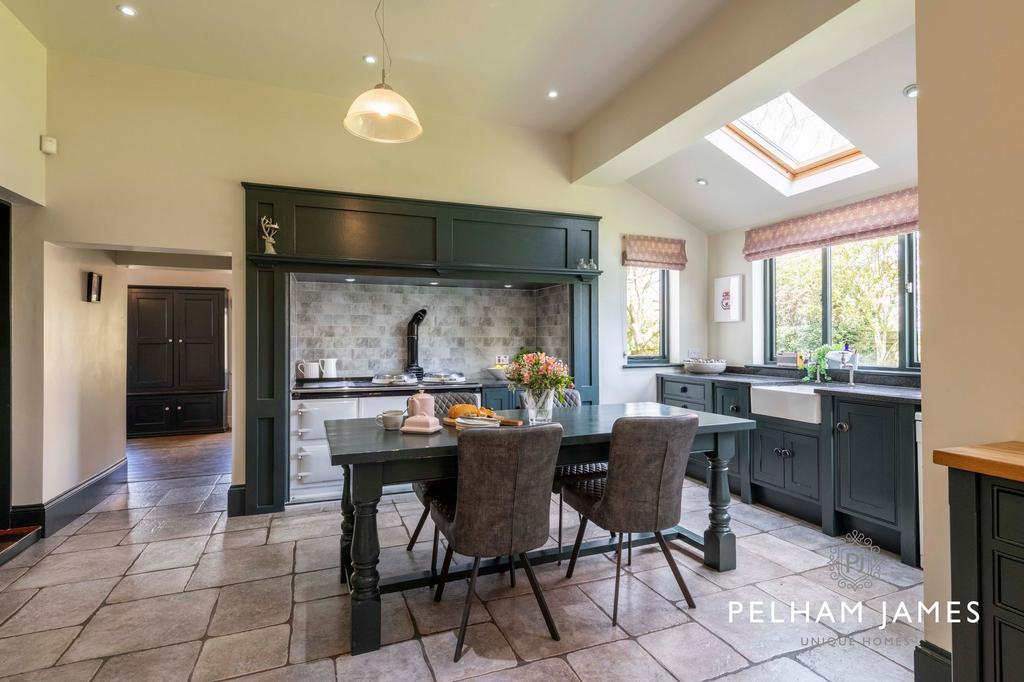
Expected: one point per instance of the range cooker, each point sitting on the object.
(311, 476)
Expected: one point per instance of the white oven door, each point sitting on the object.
(313, 413)
(312, 464)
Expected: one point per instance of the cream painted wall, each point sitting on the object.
(153, 158)
(83, 374)
(970, 143)
(734, 341)
(164, 277)
(22, 111)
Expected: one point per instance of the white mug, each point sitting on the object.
(391, 419)
(309, 370)
(329, 368)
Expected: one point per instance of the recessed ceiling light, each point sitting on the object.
(350, 279)
(433, 284)
(701, 181)
(552, 94)
(508, 286)
(369, 59)
(127, 10)
(910, 91)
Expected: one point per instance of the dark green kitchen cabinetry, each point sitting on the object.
(498, 398)
(785, 457)
(706, 395)
(872, 460)
(866, 460)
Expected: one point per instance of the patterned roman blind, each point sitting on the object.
(889, 214)
(653, 252)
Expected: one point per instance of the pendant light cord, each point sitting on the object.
(378, 16)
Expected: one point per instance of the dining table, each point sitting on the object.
(373, 458)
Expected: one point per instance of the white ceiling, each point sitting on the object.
(495, 58)
(861, 98)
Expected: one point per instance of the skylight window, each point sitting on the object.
(784, 142)
(792, 132)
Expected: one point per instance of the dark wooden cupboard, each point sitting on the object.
(176, 370)
(866, 460)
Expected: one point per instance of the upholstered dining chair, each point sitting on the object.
(643, 489)
(499, 506)
(442, 403)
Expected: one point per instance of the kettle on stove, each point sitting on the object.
(421, 417)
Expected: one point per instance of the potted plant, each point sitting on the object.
(539, 376)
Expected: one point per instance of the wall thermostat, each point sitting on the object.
(48, 145)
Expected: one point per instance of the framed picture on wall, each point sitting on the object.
(93, 287)
(729, 298)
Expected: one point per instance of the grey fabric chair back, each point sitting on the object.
(444, 401)
(646, 466)
(570, 398)
(504, 489)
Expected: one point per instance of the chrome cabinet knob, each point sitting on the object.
(167, 409)
(734, 408)
(842, 427)
(777, 452)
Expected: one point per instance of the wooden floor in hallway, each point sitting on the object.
(161, 457)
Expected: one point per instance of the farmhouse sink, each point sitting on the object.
(797, 402)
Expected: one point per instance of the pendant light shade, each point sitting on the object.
(382, 115)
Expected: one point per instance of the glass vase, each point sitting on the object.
(539, 404)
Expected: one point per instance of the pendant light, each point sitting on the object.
(381, 114)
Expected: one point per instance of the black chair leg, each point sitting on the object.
(618, 571)
(576, 547)
(559, 526)
(552, 628)
(675, 570)
(419, 527)
(433, 556)
(511, 571)
(444, 573)
(466, 608)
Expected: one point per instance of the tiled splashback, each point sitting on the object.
(364, 325)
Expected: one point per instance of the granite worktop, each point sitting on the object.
(731, 378)
(898, 394)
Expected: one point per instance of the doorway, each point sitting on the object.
(179, 390)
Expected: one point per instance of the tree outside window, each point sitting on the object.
(646, 306)
(861, 293)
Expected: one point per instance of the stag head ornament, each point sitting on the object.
(269, 230)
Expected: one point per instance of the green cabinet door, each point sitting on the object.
(768, 465)
(867, 472)
(498, 398)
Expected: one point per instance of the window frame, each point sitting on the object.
(662, 357)
(782, 165)
(908, 248)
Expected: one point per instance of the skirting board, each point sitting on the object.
(932, 663)
(236, 499)
(53, 515)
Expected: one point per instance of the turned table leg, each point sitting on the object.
(719, 541)
(347, 520)
(367, 488)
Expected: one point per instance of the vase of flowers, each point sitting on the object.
(540, 377)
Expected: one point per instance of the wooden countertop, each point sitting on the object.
(1003, 460)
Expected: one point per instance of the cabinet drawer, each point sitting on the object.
(1009, 582)
(685, 405)
(1008, 524)
(693, 392)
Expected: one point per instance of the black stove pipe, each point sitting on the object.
(413, 343)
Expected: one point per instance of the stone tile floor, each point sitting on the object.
(156, 583)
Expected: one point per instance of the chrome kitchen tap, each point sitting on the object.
(848, 360)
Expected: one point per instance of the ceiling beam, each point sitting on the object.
(747, 53)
